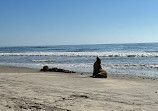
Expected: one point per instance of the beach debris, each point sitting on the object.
(54, 69)
(45, 68)
(79, 96)
(8, 106)
(98, 72)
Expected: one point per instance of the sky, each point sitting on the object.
(74, 22)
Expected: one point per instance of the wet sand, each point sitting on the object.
(24, 89)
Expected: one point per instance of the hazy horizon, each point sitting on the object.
(77, 44)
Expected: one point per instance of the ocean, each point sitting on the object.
(139, 59)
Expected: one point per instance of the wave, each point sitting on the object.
(88, 66)
(42, 60)
(109, 66)
(85, 54)
(130, 66)
(129, 69)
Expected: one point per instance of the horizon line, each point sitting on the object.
(79, 44)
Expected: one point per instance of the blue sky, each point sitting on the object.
(65, 22)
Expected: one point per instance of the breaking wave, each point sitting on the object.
(42, 60)
(85, 54)
(130, 66)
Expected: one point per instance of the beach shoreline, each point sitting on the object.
(138, 59)
(29, 89)
(14, 69)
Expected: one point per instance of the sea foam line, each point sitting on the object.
(43, 60)
(84, 54)
(130, 66)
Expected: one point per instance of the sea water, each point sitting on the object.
(139, 59)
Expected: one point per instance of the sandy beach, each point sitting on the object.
(24, 89)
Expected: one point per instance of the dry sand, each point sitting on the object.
(23, 89)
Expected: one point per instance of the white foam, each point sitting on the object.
(139, 70)
(42, 60)
(85, 54)
(130, 66)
